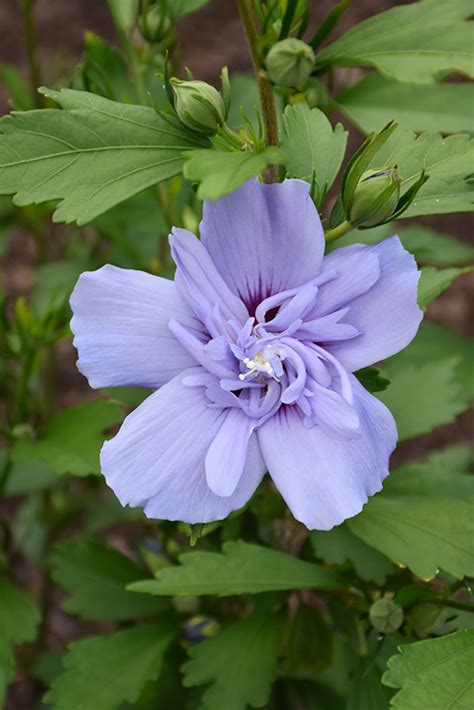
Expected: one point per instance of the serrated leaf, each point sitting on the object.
(415, 43)
(422, 397)
(447, 161)
(434, 281)
(339, 546)
(95, 577)
(240, 663)
(434, 674)
(313, 146)
(434, 344)
(102, 672)
(219, 172)
(241, 568)
(91, 155)
(72, 439)
(19, 619)
(374, 101)
(423, 517)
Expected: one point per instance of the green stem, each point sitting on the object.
(22, 387)
(233, 138)
(462, 606)
(338, 231)
(267, 99)
(27, 18)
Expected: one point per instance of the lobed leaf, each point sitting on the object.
(447, 162)
(90, 156)
(219, 172)
(72, 439)
(241, 568)
(423, 517)
(240, 663)
(102, 672)
(95, 577)
(313, 146)
(434, 674)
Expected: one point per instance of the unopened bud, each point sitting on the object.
(198, 105)
(154, 24)
(386, 616)
(376, 197)
(290, 62)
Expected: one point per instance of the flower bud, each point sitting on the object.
(198, 105)
(290, 62)
(154, 24)
(376, 197)
(386, 616)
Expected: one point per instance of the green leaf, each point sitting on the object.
(95, 577)
(311, 645)
(244, 94)
(124, 13)
(240, 663)
(313, 147)
(435, 344)
(92, 155)
(367, 692)
(435, 281)
(241, 568)
(430, 247)
(104, 71)
(19, 619)
(371, 379)
(422, 397)
(180, 8)
(339, 546)
(434, 674)
(102, 672)
(415, 43)
(375, 101)
(423, 517)
(55, 281)
(72, 439)
(427, 246)
(447, 162)
(220, 172)
(17, 88)
(29, 477)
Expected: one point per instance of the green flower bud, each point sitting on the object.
(316, 94)
(376, 197)
(290, 62)
(386, 616)
(154, 24)
(198, 105)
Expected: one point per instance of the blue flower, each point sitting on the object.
(251, 352)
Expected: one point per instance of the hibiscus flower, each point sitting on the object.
(251, 351)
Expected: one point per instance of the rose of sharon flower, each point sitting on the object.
(251, 352)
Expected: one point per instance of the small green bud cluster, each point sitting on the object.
(290, 62)
(386, 616)
(198, 105)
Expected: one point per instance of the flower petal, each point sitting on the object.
(387, 315)
(120, 324)
(157, 458)
(264, 238)
(323, 478)
(199, 282)
(225, 460)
